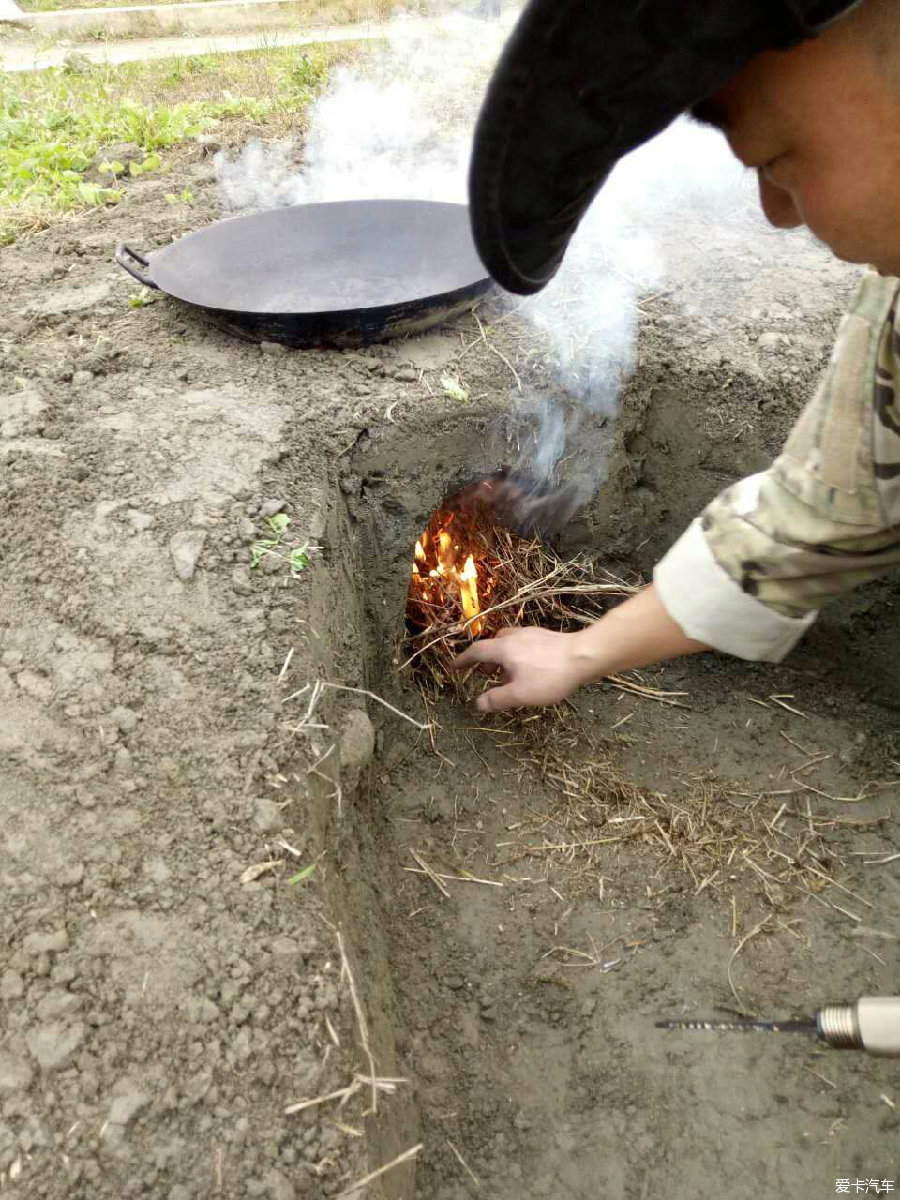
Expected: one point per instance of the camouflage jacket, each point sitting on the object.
(750, 575)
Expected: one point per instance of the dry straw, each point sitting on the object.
(723, 839)
(530, 585)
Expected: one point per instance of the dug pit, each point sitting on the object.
(547, 885)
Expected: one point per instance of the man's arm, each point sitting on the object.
(543, 667)
(749, 577)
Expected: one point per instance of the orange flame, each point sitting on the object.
(439, 582)
(468, 594)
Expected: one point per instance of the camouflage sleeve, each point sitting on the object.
(751, 575)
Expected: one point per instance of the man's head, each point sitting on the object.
(820, 124)
(807, 91)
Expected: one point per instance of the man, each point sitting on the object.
(808, 95)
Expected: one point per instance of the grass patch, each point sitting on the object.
(55, 124)
(318, 12)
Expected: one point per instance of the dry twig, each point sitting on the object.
(361, 1025)
(465, 1166)
(366, 1179)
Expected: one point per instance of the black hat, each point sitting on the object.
(582, 82)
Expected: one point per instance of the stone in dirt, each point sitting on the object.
(126, 1106)
(267, 816)
(46, 943)
(270, 507)
(15, 1073)
(185, 548)
(54, 1044)
(139, 520)
(241, 582)
(20, 412)
(357, 741)
(58, 1003)
(12, 985)
(278, 1187)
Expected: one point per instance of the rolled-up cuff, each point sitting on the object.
(711, 608)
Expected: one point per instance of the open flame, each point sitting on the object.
(460, 559)
(446, 576)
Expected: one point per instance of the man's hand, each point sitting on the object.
(542, 667)
(539, 667)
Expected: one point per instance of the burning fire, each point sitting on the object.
(445, 575)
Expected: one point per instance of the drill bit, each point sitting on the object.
(871, 1024)
(745, 1025)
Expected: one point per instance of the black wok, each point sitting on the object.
(344, 273)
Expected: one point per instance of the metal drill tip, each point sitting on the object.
(743, 1025)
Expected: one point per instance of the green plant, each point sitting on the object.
(142, 298)
(46, 148)
(297, 556)
(303, 79)
(186, 197)
(302, 875)
(454, 389)
(54, 124)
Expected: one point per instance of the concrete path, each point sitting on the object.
(178, 20)
(24, 57)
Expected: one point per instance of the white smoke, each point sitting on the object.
(400, 126)
(683, 183)
(397, 127)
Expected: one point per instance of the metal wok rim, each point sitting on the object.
(480, 281)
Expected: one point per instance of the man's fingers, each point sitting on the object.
(479, 652)
(498, 698)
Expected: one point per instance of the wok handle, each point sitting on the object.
(125, 256)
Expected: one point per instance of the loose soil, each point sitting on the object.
(161, 1005)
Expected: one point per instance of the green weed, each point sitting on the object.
(302, 875)
(54, 124)
(296, 556)
(142, 298)
(454, 389)
(185, 197)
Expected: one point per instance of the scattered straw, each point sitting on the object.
(762, 927)
(498, 353)
(362, 1027)
(880, 862)
(253, 872)
(819, 1075)
(320, 685)
(713, 834)
(426, 870)
(342, 687)
(406, 1156)
(649, 693)
(342, 1095)
(464, 877)
(465, 1166)
(285, 666)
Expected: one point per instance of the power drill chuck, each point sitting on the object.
(871, 1024)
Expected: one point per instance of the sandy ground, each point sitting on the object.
(162, 1005)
